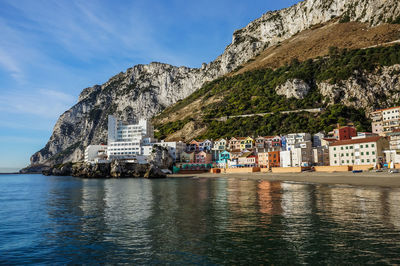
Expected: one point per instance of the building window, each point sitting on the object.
(334, 155)
(341, 148)
(362, 160)
(372, 145)
(367, 152)
(366, 146)
(373, 160)
(342, 161)
(361, 146)
(373, 153)
(334, 149)
(367, 160)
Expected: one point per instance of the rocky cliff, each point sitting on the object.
(145, 90)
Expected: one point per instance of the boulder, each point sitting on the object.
(154, 172)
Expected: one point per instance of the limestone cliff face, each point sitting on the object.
(145, 90)
(296, 88)
(366, 90)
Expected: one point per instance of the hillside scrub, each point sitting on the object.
(254, 92)
(279, 123)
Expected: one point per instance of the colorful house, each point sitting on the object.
(246, 143)
(234, 144)
(206, 145)
(263, 159)
(220, 145)
(260, 143)
(274, 143)
(269, 159)
(274, 159)
(202, 158)
(268, 143)
(248, 159)
(194, 146)
(223, 158)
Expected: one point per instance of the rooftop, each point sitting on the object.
(380, 110)
(356, 141)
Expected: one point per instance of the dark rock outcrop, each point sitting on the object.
(115, 169)
(154, 172)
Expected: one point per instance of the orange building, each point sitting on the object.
(274, 159)
(269, 159)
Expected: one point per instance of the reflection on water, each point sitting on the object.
(195, 221)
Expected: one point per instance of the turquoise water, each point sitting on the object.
(58, 220)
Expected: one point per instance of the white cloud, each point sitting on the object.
(9, 64)
(46, 103)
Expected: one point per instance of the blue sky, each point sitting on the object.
(51, 49)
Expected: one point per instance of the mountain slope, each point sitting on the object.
(357, 81)
(145, 90)
(317, 40)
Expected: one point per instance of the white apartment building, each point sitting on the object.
(385, 120)
(302, 154)
(299, 154)
(286, 158)
(95, 153)
(359, 151)
(296, 138)
(127, 141)
(392, 155)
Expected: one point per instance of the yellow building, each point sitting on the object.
(246, 143)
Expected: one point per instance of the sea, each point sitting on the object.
(195, 221)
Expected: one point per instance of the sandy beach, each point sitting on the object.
(383, 179)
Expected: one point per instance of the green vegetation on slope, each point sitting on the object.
(279, 123)
(254, 92)
(164, 130)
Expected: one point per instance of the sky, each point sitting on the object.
(52, 49)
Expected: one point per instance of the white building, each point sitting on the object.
(127, 141)
(385, 120)
(360, 151)
(286, 158)
(299, 145)
(296, 138)
(302, 154)
(392, 156)
(95, 153)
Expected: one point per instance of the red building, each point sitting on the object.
(343, 133)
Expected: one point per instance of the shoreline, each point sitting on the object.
(383, 179)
